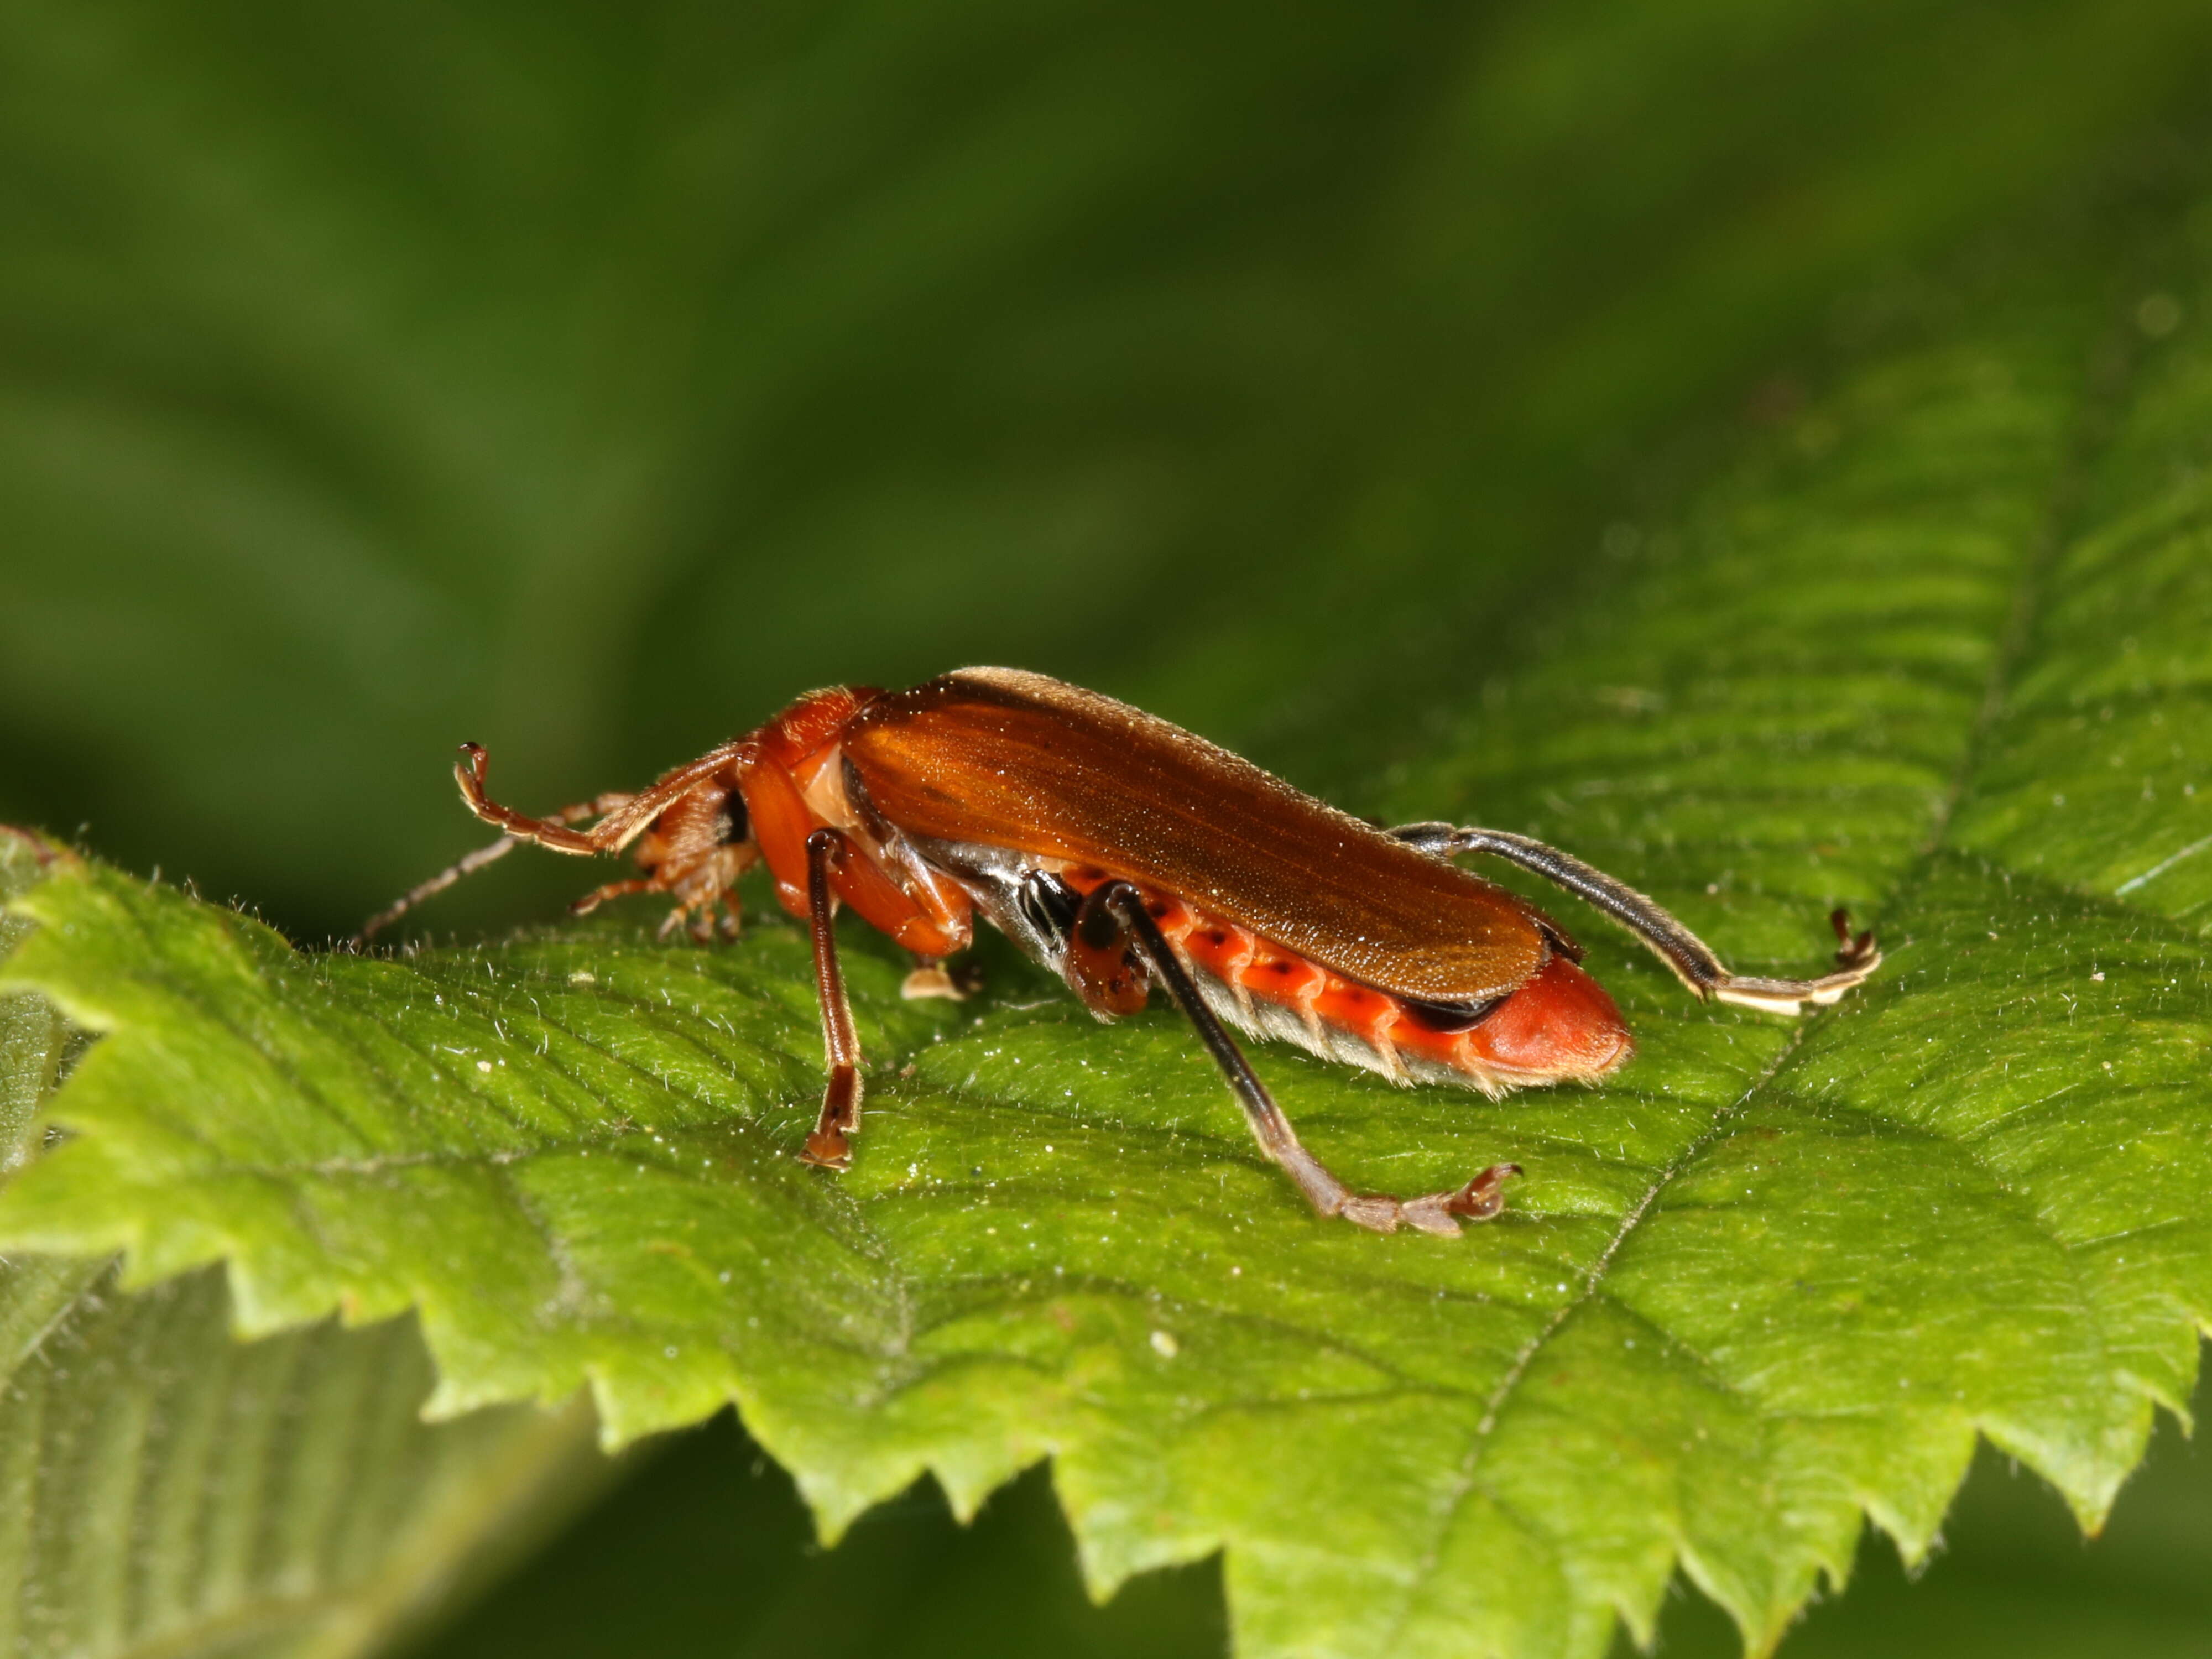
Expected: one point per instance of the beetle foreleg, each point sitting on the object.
(841, 1100)
(1478, 1200)
(625, 816)
(1690, 957)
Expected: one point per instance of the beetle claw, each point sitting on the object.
(828, 1145)
(1483, 1196)
(1851, 953)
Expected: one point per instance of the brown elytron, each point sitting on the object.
(1124, 853)
(996, 757)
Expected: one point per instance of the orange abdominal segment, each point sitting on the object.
(1560, 1025)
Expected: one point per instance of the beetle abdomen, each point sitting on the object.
(1560, 1026)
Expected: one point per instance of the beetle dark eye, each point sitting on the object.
(1048, 904)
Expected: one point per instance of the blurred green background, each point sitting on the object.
(587, 380)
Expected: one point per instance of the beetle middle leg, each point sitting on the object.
(828, 1144)
(1436, 1213)
(1692, 960)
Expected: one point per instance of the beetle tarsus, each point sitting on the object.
(1379, 1213)
(1856, 957)
(827, 1145)
(1439, 1213)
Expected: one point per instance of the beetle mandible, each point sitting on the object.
(1121, 851)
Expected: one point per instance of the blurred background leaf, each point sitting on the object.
(586, 380)
(709, 1549)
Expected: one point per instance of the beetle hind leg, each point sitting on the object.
(1692, 960)
(1440, 1213)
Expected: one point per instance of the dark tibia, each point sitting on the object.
(841, 1101)
(1690, 957)
(1478, 1200)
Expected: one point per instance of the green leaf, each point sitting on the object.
(1775, 1278)
(168, 1490)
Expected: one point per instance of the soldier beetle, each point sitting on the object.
(1121, 852)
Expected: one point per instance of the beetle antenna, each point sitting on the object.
(446, 878)
(598, 807)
